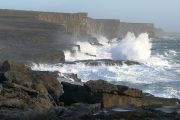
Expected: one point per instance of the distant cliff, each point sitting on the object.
(31, 35)
(79, 23)
(106, 27)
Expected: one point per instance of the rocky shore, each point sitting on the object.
(37, 95)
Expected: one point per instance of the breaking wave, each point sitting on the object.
(132, 48)
(129, 48)
(158, 73)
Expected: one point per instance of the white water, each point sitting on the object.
(153, 76)
(130, 48)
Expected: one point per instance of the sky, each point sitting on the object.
(163, 13)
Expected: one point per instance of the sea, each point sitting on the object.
(158, 72)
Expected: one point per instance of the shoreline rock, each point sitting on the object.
(109, 95)
(107, 62)
(28, 89)
(37, 95)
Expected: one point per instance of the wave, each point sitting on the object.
(154, 75)
(129, 48)
(132, 48)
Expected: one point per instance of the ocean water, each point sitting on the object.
(158, 73)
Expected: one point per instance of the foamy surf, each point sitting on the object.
(129, 48)
(157, 74)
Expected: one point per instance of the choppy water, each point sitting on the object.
(158, 74)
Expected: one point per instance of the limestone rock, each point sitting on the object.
(50, 82)
(109, 95)
(133, 92)
(109, 100)
(101, 86)
(24, 89)
(11, 66)
(18, 78)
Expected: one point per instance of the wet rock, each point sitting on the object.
(128, 62)
(93, 63)
(107, 62)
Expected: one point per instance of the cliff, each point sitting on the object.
(79, 24)
(104, 27)
(31, 35)
(73, 23)
(112, 28)
(23, 37)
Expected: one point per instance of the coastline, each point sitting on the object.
(27, 94)
(107, 75)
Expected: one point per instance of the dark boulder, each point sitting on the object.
(2, 78)
(1, 88)
(75, 93)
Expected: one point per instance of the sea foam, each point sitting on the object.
(129, 48)
(156, 74)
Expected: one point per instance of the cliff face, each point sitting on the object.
(79, 24)
(73, 23)
(105, 27)
(35, 35)
(24, 37)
